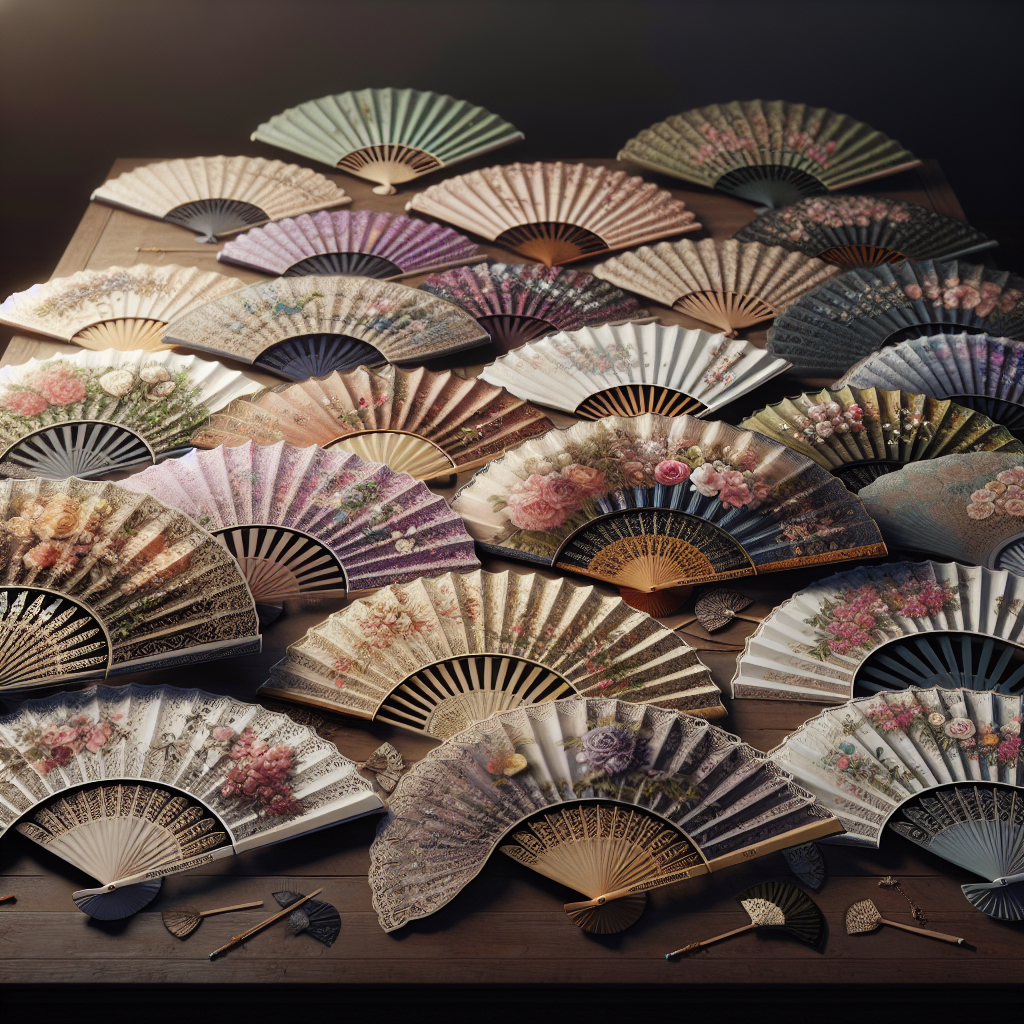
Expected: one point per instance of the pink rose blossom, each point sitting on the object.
(98, 735)
(223, 733)
(843, 763)
(58, 386)
(707, 480)
(559, 492)
(24, 403)
(528, 509)
(959, 728)
(980, 510)
(589, 481)
(42, 556)
(670, 472)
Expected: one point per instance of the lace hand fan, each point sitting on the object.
(610, 798)
(862, 434)
(389, 136)
(124, 308)
(768, 151)
(516, 303)
(864, 231)
(386, 246)
(304, 522)
(133, 783)
(631, 369)
(96, 412)
(730, 284)
(439, 654)
(426, 424)
(306, 327)
(889, 627)
(220, 195)
(655, 502)
(555, 212)
(842, 321)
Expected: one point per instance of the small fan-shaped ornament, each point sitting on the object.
(316, 918)
(807, 863)
(721, 606)
(864, 917)
(387, 764)
(181, 922)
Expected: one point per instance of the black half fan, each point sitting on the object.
(315, 917)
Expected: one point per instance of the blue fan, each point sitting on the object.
(316, 355)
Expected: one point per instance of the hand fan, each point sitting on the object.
(124, 308)
(390, 136)
(219, 195)
(132, 783)
(98, 580)
(861, 434)
(630, 369)
(767, 151)
(316, 918)
(91, 413)
(717, 608)
(288, 912)
(307, 327)
(845, 319)
(556, 212)
(807, 863)
(516, 303)
(729, 284)
(304, 522)
(655, 502)
(345, 242)
(864, 231)
(611, 798)
(417, 422)
(439, 654)
(183, 921)
(864, 917)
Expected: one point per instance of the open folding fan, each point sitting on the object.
(439, 654)
(849, 317)
(418, 422)
(864, 231)
(95, 412)
(308, 326)
(729, 284)
(219, 195)
(656, 502)
(133, 783)
(610, 798)
(126, 308)
(861, 434)
(97, 580)
(390, 136)
(304, 522)
(363, 243)
(556, 212)
(767, 151)
(889, 627)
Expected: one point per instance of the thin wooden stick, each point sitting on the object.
(9, 896)
(925, 931)
(694, 946)
(224, 910)
(263, 924)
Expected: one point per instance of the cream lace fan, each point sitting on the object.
(133, 783)
(124, 308)
(439, 654)
(609, 798)
(555, 212)
(220, 195)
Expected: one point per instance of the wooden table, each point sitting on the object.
(506, 931)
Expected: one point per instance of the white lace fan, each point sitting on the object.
(389, 136)
(889, 627)
(554, 212)
(97, 580)
(306, 327)
(630, 369)
(133, 783)
(610, 798)
(730, 284)
(219, 195)
(125, 308)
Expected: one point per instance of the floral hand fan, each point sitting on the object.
(439, 654)
(864, 231)
(426, 424)
(304, 522)
(386, 246)
(308, 326)
(555, 212)
(862, 434)
(849, 317)
(767, 151)
(124, 308)
(889, 627)
(654, 502)
(220, 195)
(95, 412)
(133, 783)
(630, 369)
(608, 797)
(729, 284)
(390, 136)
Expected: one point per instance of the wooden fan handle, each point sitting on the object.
(956, 940)
(238, 906)
(9, 896)
(694, 946)
(263, 924)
